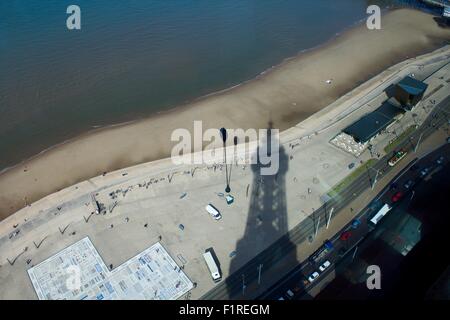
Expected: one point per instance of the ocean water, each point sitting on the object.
(134, 58)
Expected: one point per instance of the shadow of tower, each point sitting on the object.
(266, 223)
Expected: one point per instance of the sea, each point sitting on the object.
(131, 59)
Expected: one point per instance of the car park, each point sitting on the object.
(324, 266)
(313, 276)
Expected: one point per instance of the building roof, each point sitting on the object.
(371, 124)
(412, 86)
(446, 12)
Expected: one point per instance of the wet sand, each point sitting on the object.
(285, 95)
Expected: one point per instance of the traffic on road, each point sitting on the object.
(298, 282)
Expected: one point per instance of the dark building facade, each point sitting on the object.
(409, 91)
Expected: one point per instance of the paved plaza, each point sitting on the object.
(79, 273)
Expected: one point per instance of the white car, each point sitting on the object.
(324, 266)
(424, 172)
(213, 212)
(290, 293)
(313, 276)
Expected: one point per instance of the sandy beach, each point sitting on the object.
(285, 95)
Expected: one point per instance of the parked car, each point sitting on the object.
(290, 294)
(324, 266)
(213, 212)
(313, 276)
(408, 184)
(396, 197)
(345, 235)
(440, 160)
(351, 165)
(424, 172)
(356, 223)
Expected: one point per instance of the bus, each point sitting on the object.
(322, 252)
(212, 266)
(380, 214)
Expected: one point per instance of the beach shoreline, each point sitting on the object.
(271, 96)
(188, 103)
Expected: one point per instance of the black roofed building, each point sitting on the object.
(373, 123)
(409, 92)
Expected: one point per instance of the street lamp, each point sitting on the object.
(223, 133)
(235, 140)
(418, 142)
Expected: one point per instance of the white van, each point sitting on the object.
(213, 211)
(212, 266)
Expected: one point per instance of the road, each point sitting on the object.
(412, 172)
(232, 287)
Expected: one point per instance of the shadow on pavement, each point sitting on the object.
(266, 222)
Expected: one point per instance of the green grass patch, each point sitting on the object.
(391, 146)
(351, 177)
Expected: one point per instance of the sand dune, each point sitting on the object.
(285, 95)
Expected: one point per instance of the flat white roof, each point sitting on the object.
(78, 272)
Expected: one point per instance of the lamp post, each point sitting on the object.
(235, 140)
(259, 273)
(418, 142)
(223, 133)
